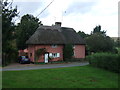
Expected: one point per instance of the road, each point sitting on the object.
(17, 66)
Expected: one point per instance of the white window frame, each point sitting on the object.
(54, 55)
(50, 54)
(58, 54)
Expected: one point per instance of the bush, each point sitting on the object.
(68, 51)
(10, 57)
(106, 61)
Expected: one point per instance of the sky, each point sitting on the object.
(82, 15)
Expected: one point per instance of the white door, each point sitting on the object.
(46, 58)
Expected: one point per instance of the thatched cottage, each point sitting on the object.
(50, 41)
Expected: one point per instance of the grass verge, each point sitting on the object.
(69, 77)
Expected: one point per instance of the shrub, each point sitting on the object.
(106, 61)
(68, 51)
(39, 52)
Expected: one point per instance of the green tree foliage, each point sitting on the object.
(82, 34)
(25, 29)
(118, 42)
(38, 53)
(8, 29)
(99, 42)
(0, 29)
(68, 51)
(7, 25)
(97, 29)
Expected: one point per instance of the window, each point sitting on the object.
(30, 54)
(50, 54)
(58, 54)
(54, 46)
(54, 55)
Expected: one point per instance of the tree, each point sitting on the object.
(99, 42)
(8, 29)
(25, 29)
(68, 51)
(97, 29)
(1, 31)
(82, 34)
(118, 42)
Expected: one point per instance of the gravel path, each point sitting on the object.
(17, 66)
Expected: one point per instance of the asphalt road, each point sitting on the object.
(17, 66)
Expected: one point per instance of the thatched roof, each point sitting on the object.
(55, 35)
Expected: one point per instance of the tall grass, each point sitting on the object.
(106, 61)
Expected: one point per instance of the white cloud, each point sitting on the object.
(26, 0)
(102, 12)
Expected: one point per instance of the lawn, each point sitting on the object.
(69, 77)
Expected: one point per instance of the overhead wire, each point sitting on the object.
(41, 11)
(45, 8)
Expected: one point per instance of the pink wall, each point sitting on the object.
(79, 51)
(31, 50)
(58, 49)
(22, 52)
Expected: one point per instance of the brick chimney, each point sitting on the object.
(58, 24)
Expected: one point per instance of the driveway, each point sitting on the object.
(17, 66)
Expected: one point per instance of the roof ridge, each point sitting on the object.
(55, 35)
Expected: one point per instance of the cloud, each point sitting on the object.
(101, 12)
(38, 13)
(27, 7)
(81, 15)
(79, 7)
(26, 0)
(30, 7)
(87, 22)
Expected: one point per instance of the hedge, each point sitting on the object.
(106, 61)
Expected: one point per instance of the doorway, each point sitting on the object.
(46, 57)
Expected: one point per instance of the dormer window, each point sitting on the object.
(54, 46)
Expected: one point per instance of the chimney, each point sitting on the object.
(58, 24)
